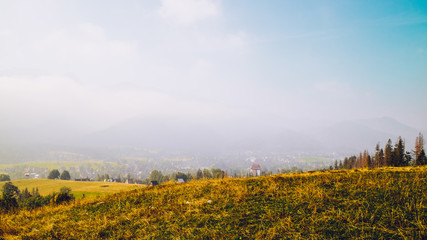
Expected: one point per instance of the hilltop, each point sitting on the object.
(384, 203)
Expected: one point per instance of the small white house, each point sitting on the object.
(256, 170)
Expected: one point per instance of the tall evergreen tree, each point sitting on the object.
(366, 159)
(421, 159)
(380, 160)
(419, 145)
(359, 161)
(388, 154)
(375, 159)
(346, 164)
(399, 153)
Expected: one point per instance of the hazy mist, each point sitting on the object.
(212, 75)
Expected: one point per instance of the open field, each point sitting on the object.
(385, 203)
(89, 189)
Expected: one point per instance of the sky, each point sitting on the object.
(73, 67)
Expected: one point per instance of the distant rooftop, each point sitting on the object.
(255, 166)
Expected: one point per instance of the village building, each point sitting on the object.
(256, 170)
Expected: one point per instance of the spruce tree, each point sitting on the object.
(419, 145)
(388, 154)
(399, 153)
(375, 162)
(380, 160)
(421, 159)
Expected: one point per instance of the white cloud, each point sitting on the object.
(187, 12)
(86, 43)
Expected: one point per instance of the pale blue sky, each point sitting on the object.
(89, 64)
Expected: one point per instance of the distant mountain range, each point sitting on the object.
(364, 134)
(212, 137)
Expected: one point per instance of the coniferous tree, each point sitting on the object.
(346, 163)
(408, 158)
(419, 145)
(421, 159)
(376, 157)
(388, 154)
(366, 159)
(35, 192)
(353, 161)
(24, 195)
(380, 160)
(399, 153)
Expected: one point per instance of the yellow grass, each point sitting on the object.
(385, 203)
(89, 189)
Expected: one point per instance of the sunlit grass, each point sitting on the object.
(89, 189)
(387, 203)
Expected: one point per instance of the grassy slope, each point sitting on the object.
(388, 203)
(89, 189)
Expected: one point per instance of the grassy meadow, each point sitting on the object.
(89, 189)
(385, 203)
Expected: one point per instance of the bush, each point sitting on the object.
(4, 177)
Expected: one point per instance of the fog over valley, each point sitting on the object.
(207, 83)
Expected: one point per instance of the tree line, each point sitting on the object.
(389, 156)
(12, 199)
(54, 174)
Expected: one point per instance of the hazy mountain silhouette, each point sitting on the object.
(214, 137)
(363, 134)
(177, 134)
